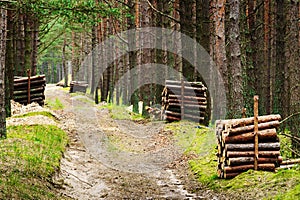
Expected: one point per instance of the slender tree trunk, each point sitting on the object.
(3, 25)
(64, 62)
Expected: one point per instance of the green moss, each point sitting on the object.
(29, 158)
(44, 113)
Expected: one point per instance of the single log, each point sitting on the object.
(186, 88)
(287, 166)
(32, 91)
(194, 84)
(250, 160)
(21, 97)
(249, 128)
(32, 84)
(242, 168)
(187, 101)
(188, 105)
(292, 161)
(248, 121)
(32, 78)
(230, 175)
(173, 96)
(171, 118)
(264, 134)
(235, 154)
(250, 147)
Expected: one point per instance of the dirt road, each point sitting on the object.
(119, 159)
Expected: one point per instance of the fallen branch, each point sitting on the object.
(292, 115)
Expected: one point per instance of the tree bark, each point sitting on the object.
(3, 25)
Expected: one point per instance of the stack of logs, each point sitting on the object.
(236, 145)
(184, 100)
(35, 87)
(78, 86)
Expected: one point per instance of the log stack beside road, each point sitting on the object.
(236, 146)
(184, 100)
(35, 87)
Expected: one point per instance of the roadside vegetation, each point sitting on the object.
(200, 141)
(43, 113)
(30, 156)
(122, 112)
(54, 104)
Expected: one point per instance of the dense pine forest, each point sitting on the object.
(254, 45)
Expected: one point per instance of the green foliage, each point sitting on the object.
(44, 113)
(29, 158)
(54, 104)
(122, 112)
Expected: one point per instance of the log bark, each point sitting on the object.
(33, 78)
(248, 121)
(246, 137)
(193, 84)
(261, 126)
(187, 102)
(250, 160)
(288, 162)
(22, 97)
(250, 147)
(173, 96)
(235, 154)
(230, 175)
(242, 168)
(32, 83)
(186, 88)
(188, 105)
(32, 91)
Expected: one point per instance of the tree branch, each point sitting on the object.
(294, 114)
(161, 13)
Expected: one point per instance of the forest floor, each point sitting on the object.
(120, 159)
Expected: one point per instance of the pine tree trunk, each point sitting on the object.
(236, 88)
(3, 25)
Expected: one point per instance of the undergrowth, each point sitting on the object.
(54, 104)
(29, 158)
(30, 114)
(119, 112)
(283, 184)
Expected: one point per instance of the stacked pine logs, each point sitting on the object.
(78, 86)
(184, 100)
(236, 146)
(36, 87)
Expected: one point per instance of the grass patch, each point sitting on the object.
(120, 112)
(55, 104)
(284, 184)
(30, 114)
(29, 158)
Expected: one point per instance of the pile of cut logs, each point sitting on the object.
(78, 86)
(184, 100)
(236, 145)
(29, 90)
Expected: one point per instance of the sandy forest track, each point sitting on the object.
(119, 159)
